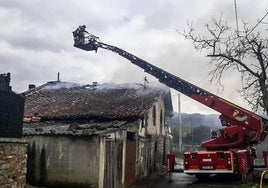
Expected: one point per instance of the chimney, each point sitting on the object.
(31, 86)
(94, 84)
(5, 81)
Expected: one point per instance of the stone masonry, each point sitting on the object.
(13, 159)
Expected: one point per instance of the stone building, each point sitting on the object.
(95, 135)
(13, 149)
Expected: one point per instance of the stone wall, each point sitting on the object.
(13, 159)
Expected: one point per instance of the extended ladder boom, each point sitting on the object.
(231, 114)
(168, 79)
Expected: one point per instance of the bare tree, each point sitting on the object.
(244, 52)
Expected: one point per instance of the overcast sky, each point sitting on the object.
(36, 41)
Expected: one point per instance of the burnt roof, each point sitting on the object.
(65, 100)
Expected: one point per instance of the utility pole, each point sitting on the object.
(58, 78)
(180, 130)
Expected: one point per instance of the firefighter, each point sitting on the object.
(79, 34)
(253, 152)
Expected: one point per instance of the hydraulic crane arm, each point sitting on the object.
(248, 126)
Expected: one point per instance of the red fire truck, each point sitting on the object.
(232, 151)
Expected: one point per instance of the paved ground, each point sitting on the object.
(181, 180)
(186, 181)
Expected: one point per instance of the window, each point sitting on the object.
(154, 115)
(161, 118)
(131, 136)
